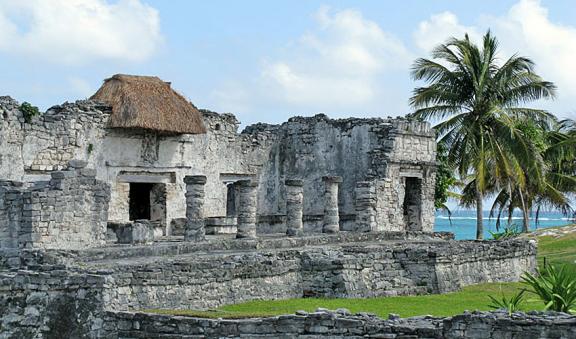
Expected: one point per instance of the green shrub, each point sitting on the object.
(29, 111)
(509, 232)
(555, 285)
(511, 305)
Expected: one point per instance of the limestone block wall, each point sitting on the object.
(383, 152)
(221, 154)
(408, 150)
(342, 324)
(51, 303)
(69, 211)
(197, 281)
(49, 294)
(47, 142)
(310, 148)
(376, 150)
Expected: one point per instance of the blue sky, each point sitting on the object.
(269, 60)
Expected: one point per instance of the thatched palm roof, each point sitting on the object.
(147, 102)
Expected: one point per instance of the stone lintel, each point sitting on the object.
(77, 164)
(246, 183)
(294, 182)
(195, 179)
(332, 178)
(364, 184)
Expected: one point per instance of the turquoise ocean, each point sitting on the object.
(463, 223)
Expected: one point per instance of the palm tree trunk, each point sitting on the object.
(479, 217)
(525, 213)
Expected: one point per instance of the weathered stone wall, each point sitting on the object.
(47, 142)
(69, 211)
(57, 293)
(302, 148)
(197, 280)
(408, 151)
(342, 324)
(51, 302)
(380, 151)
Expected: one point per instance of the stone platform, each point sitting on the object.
(75, 288)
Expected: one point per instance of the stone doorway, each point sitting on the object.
(148, 201)
(412, 206)
(232, 199)
(139, 200)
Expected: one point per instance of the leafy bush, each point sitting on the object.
(29, 111)
(511, 305)
(556, 287)
(509, 232)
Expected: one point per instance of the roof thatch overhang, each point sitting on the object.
(147, 102)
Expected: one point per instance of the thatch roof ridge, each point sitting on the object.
(148, 102)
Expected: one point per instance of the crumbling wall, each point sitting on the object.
(384, 151)
(69, 211)
(408, 151)
(310, 148)
(54, 294)
(342, 324)
(48, 141)
(355, 270)
(51, 303)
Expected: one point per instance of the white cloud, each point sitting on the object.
(525, 29)
(78, 31)
(438, 28)
(337, 64)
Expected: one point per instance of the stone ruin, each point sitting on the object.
(103, 212)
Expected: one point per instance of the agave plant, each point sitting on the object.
(511, 305)
(556, 287)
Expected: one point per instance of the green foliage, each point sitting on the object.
(511, 304)
(90, 149)
(477, 100)
(555, 285)
(29, 111)
(445, 179)
(509, 232)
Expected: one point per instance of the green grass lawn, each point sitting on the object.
(556, 250)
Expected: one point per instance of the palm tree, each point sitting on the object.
(477, 100)
(557, 146)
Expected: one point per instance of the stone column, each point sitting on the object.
(331, 217)
(247, 209)
(366, 206)
(294, 207)
(194, 229)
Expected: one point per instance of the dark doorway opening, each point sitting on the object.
(232, 197)
(140, 200)
(413, 204)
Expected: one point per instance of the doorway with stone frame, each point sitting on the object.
(412, 205)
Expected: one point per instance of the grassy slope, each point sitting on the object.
(556, 250)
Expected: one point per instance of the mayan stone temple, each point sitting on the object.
(135, 199)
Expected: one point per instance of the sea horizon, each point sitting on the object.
(462, 222)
